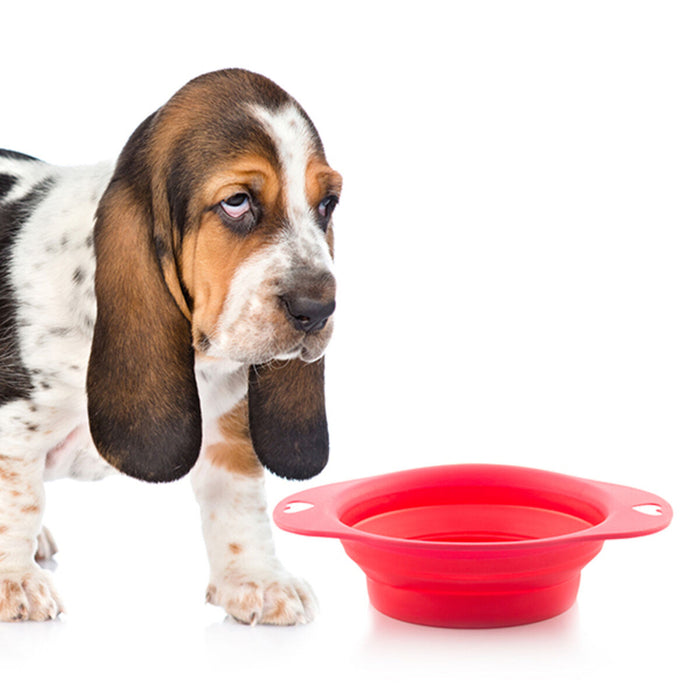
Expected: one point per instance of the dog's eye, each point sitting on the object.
(326, 207)
(236, 206)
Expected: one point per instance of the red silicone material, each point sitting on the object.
(473, 545)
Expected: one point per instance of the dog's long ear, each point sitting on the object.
(143, 404)
(287, 415)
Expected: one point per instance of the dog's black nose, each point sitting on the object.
(308, 314)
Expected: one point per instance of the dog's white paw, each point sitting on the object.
(28, 596)
(270, 599)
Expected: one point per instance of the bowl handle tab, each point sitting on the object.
(313, 512)
(632, 513)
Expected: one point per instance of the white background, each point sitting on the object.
(518, 271)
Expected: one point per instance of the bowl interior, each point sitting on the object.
(472, 513)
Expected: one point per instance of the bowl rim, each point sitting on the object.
(326, 505)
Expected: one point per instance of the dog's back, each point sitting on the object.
(47, 307)
(20, 192)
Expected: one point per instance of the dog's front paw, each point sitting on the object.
(28, 596)
(270, 599)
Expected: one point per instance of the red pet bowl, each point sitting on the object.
(473, 545)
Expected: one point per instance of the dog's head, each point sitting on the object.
(214, 239)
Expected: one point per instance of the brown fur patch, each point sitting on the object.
(7, 474)
(321, 180)
(235, 453)
(211, 257)
(279, 614)
(251, 172)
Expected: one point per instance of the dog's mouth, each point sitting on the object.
(311, 355)
(303, 350)
(277, 343)
(309, 349)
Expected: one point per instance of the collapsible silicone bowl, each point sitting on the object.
(473, 545)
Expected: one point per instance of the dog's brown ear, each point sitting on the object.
(287, 414)
(143, 404)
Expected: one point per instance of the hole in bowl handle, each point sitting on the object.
(649, 509)
(635, 513)
(296, 507)
(298, 513)
(311, 512)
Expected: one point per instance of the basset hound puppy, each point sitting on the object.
(169, 314)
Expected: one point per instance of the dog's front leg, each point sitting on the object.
(26, 591)
(246, 580)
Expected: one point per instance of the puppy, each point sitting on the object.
(165, 315)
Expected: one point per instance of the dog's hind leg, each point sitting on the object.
(46, 545)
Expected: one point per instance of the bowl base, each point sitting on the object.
(475, 610)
